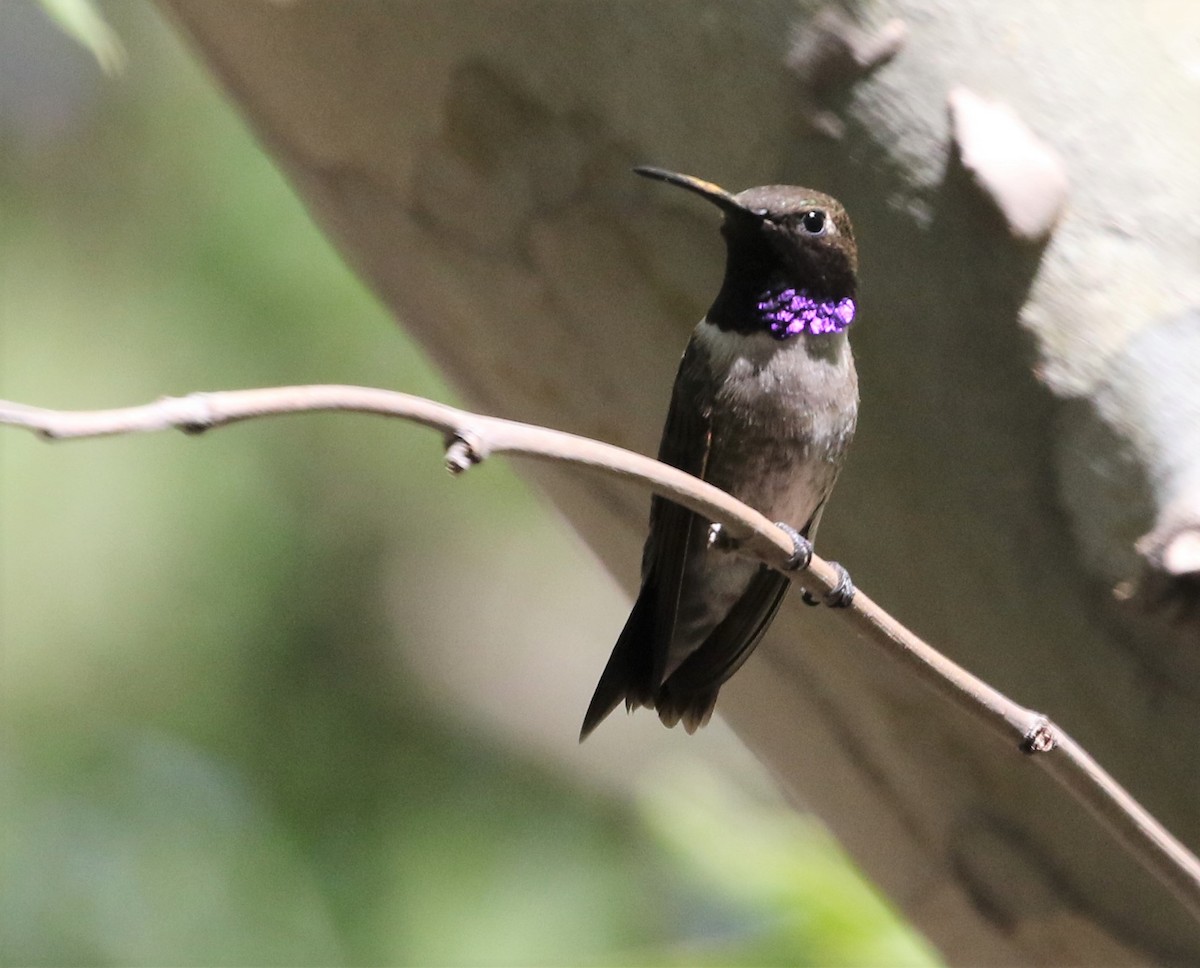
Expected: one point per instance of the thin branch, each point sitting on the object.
(471, 437)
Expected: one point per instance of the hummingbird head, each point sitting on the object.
(790, 263)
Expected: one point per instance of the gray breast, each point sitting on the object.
(783, 416)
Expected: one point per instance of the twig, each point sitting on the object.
(470, 438)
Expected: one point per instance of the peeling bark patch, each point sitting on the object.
(501, 158)
(831, 51)
(1150, 398)
(1023, 177)
(1181, 556)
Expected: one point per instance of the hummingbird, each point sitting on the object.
(764, 407)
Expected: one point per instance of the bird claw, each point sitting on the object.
(840, 596)
(802, 549)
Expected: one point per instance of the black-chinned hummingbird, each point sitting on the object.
(764, 407)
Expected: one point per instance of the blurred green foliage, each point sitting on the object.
(210, 752)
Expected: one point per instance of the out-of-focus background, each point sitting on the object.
(235, 727)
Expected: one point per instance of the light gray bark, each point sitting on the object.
(1028, 413)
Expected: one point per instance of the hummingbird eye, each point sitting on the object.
(813, 222)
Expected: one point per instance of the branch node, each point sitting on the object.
(463, 451)
(195, 410)
(1039, 737)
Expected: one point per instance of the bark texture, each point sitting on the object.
(1030, 429)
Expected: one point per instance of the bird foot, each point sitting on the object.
(840, 596)
(802, 549)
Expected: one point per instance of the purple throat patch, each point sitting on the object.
(790, 312)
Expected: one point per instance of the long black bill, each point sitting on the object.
(714, 193)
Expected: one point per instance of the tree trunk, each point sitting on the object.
(1030, 408)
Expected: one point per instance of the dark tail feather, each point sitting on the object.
(690, 692)
(694, 710)
(627, 676)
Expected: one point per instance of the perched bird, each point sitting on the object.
(764, 407)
